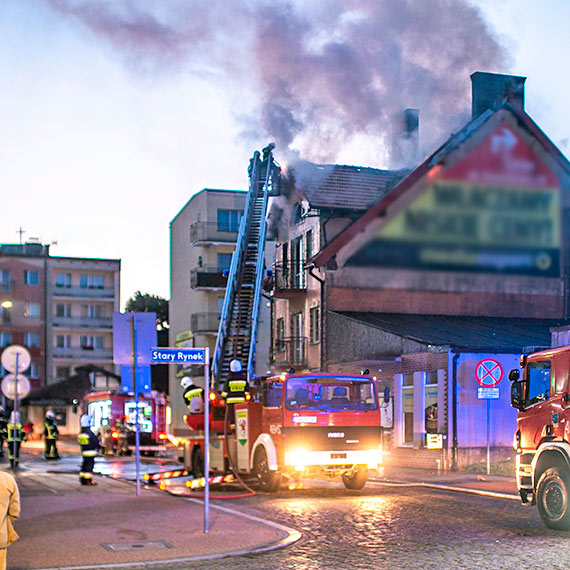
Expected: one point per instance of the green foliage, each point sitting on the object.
(145, 303)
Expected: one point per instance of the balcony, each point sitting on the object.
(289, 279)
(290, 352)
(208, 277)
(85, 354)
(84, 292)
(82, 323)
(204, 323)
(210, 233)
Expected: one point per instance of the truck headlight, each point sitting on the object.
(298, 458)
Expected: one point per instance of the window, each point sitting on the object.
(314, 325)
(62, 372)
(224, 261)
(63, 341)
(309, 244)
(63, 279)
(91, 342)
(5, 339)
(32, 339)
(31, 277)
(35, 370)
(92, 311)
(538, 381)
(6, 313)
(408, 407)
(5, 281)
(280, 335)
(92, 281)
(229, 220)
(431, 402)
(32, 310)
(63, 310)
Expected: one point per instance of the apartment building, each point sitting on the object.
(202, 240)
(60, 308)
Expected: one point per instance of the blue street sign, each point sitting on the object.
(178, 356)
(145, 332)
(143, 379)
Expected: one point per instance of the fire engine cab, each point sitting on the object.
(542, 439)
(301, 425)
(108, 406)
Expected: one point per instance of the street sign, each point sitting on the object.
(143, 379)
(144, 326)
(16, 352)
(434, 440)
(486, 393)
(178, 356)
(9, 386)
(488, 372)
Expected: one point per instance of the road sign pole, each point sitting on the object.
(207, 440)
(488, 436)
(15, 429)
(136, 389)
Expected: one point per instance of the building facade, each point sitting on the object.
(61, 310)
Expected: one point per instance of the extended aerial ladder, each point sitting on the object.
(237, 332)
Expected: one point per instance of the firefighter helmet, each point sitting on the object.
(235, 366)
(50, 415)
(85, 420)
(15, 417)
(186, 381)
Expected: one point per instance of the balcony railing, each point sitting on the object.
(212, 232)
(289, 277)
(82, 322)
(204, 322)
(84, 292)
(290, 351)
(208, 276)
(82, 354)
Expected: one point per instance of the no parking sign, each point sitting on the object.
(488, 372)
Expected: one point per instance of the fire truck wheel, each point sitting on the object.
(198, 463)
(552, 498)
(358, 479)
(267, 480)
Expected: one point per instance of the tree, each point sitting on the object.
(145, 303)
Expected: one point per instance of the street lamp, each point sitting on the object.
(6, 304)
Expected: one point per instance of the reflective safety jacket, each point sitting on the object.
(194, 399)
(15, 432)
(235, 388)
(50, 429)
(88, 441)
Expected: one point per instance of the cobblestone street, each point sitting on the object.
(395, 528)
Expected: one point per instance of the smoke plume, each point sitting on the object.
(321, 75)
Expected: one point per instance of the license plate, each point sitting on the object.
(338, 455)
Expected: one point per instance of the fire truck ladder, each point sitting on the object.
(237, 333)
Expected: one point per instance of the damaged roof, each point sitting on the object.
(341, 186)
(487, 333)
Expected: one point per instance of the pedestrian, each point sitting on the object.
(10, 511)
(122, 435)
(3, 429)
(15, 436)
(51, 433)
(89, 443)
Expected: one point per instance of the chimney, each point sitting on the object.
(491, 90)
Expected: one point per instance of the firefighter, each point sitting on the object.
(51, 433)
(106, 439)
(15, 436)
(122, 433)
(236, 388)
(193, 396)
(3, 429)
(89, 445)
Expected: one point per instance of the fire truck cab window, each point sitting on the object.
(273, 394)
(538, 381)
(330, 394)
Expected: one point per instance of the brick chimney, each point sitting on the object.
(491, 90)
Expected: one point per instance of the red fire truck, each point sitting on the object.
(107, 407)
(542, 439)
(301, 425)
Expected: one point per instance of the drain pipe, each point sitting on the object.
(454, 412)
(322, 315)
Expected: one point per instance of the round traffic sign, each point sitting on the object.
(488, 372)
(9, 386)
(16, 354)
